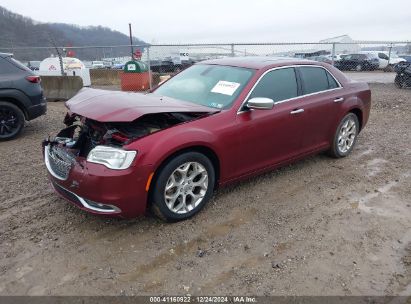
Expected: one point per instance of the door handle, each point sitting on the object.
(339, 99)
(297, 111)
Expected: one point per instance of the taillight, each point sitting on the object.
(33, 79)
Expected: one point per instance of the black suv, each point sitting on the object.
(358, 62)
(21, 96)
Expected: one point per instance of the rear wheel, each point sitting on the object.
(389, 68)
(345, 136)
(400, 82)
(182, 187)
(11, 120)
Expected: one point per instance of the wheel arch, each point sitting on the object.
(207, 151)
(17, 102)
(359, 114)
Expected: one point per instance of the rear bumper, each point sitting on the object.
(37, 110)
(99, 190)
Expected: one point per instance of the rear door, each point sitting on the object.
(7, 72)
(322, 98)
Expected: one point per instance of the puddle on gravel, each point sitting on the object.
(362, 153)
(375, 166)
(381, 202)
(238, 218)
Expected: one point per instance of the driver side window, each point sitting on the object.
(277, 85)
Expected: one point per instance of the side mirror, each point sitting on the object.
(260, 103)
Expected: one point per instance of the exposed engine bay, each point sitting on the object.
(83, 134)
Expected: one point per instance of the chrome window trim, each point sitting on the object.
(239, 111)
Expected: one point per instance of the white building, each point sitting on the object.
(343, 44)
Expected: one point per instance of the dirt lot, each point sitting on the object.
(374, 76)
(319, 227)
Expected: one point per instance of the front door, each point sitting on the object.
(268, 137)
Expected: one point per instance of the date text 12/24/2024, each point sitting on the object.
(203, 299)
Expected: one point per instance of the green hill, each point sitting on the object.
(20, 31)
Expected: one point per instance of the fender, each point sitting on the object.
(163, 145)
(16, 97)
(360, 99)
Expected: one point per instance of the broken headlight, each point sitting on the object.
(112, 158)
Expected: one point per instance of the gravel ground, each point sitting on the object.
(373, 77)
(318, 227)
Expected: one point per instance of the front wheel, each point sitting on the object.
(345, 136)
(182, 187)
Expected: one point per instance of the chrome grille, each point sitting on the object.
(58, 161)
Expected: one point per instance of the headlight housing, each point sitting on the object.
(112, 158)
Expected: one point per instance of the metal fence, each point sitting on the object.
(106, 63)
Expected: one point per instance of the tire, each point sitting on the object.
(168, 205)
(399, 82)
(11, 120)
(337, 149)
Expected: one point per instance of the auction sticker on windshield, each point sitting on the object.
(225, 87)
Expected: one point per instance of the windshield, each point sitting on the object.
(208, 85)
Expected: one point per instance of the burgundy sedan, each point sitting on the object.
(215, 123)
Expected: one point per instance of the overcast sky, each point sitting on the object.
(180, 21)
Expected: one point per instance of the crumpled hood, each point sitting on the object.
(116, 106)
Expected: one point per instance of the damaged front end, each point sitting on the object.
(90, 162)
(89, 139)
(73, 157)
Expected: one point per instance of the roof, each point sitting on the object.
(257, 62)
(338, 39)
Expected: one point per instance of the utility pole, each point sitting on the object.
(58, 54)
(131, 41)
(389, 53)
(12, 45)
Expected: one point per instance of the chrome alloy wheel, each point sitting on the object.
(186, 187)
(346, 136)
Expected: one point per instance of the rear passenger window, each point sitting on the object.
(278, 85)
(332, 84)
(316, 80)
(6, 67)
(18, 64)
